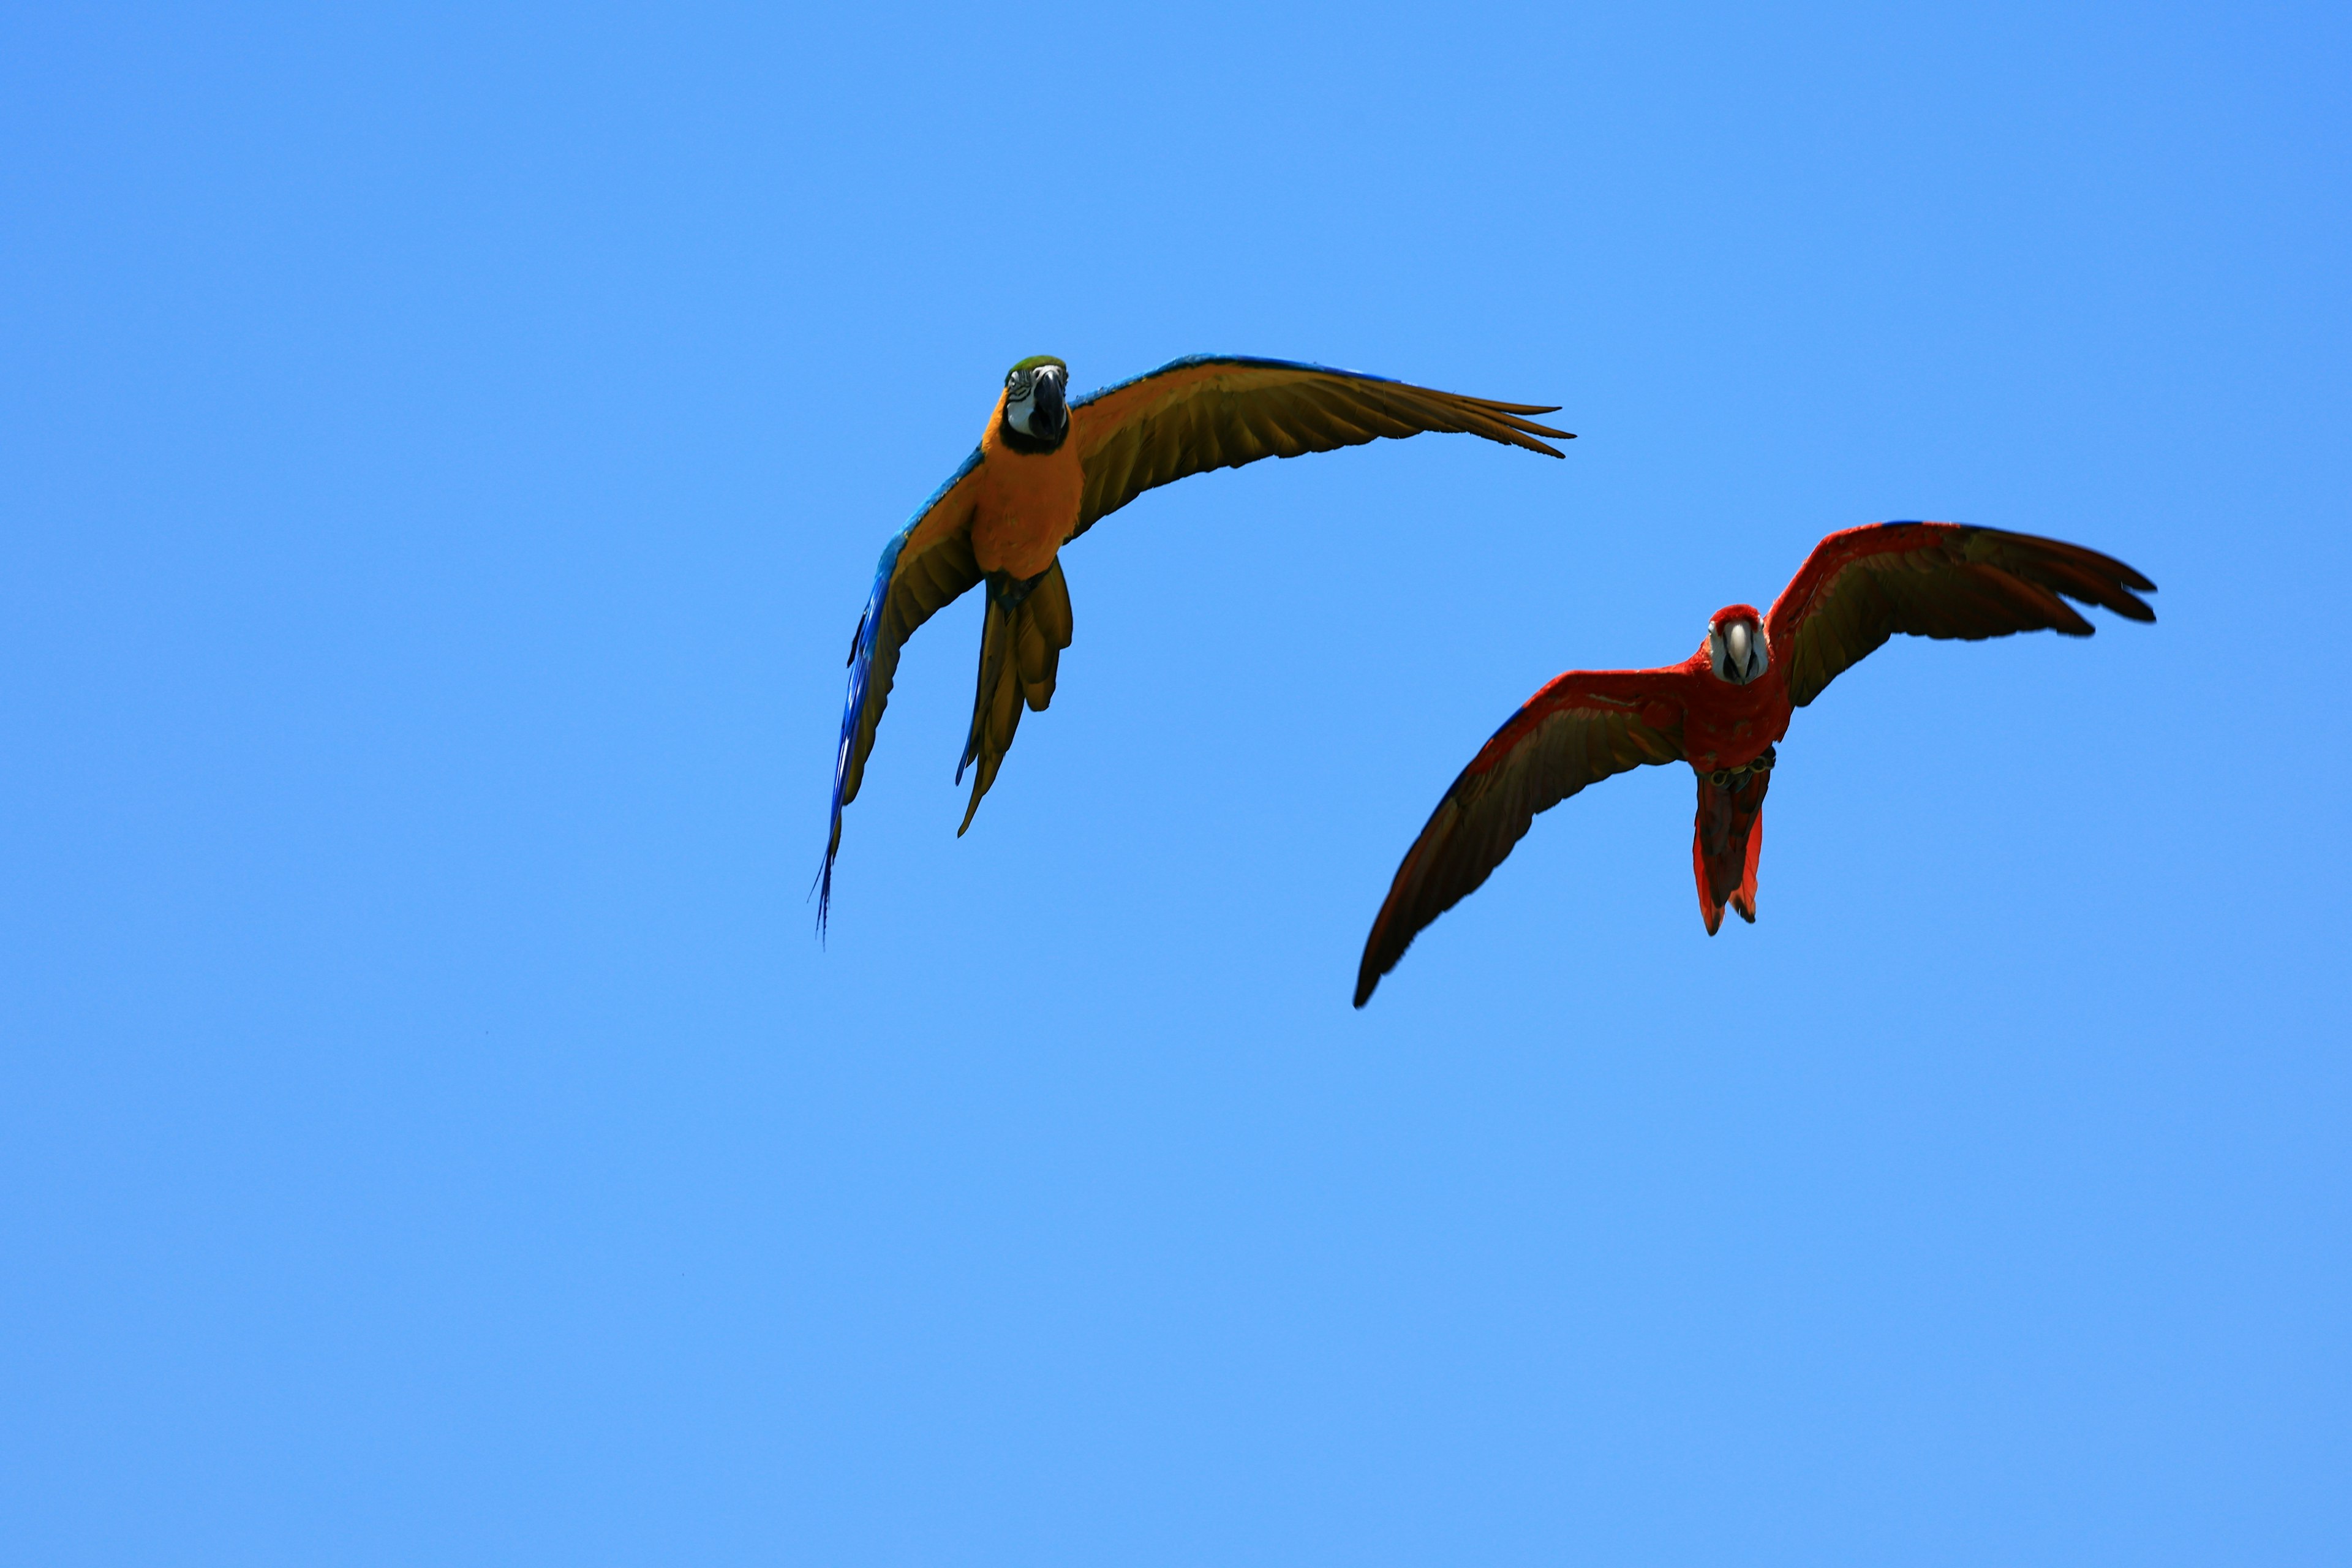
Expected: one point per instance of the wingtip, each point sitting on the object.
(1370, 973)
(820, 885)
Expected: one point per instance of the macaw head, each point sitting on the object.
(1734, 645)
(1036, 400)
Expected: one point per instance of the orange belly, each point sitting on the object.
(1028, 505)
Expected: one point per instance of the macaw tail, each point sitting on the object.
(1020, 643)
(1729, 838)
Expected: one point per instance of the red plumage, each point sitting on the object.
(1723, 709)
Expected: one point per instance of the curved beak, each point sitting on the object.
(1052, 417)
(1735, 644)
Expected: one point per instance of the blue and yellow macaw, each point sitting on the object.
(1047, 469)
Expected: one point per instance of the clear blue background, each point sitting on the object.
(443, 455)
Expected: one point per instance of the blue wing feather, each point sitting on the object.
(861, 671)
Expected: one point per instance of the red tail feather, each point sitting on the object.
(1727, 840)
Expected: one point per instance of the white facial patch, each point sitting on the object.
(1021, 403)
(1019, 411)
(1737, 652)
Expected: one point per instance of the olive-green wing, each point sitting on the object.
(1583, 727)
(926, 564)
(1215, 411)
(1862, 586)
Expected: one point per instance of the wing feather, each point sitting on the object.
(1936, 580)
(1584, 727)
(1214, 411)
(926, 565)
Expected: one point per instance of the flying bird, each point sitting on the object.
(1047, 469)
(1725, 707)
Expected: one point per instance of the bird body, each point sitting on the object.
(1026, 504)
(1724, 710)
(1047, 469)
(1725, 725)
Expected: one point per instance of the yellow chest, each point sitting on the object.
(1028, 505)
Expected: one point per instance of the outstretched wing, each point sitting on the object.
(1935, 579)
(927, 563)
(1579, 730)
(1220, 411)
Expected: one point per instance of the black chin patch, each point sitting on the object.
(1047, 412)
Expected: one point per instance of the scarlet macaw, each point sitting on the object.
(1723, 709)
(1047, 470)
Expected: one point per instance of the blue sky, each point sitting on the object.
(444, 454)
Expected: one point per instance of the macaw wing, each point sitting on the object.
(1220, 411)
(927, 563)
(1935, 579)
(1579, 730)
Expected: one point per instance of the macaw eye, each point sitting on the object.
(1019, 382)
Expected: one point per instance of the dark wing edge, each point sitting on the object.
(1862, 586)
(908, 590)
(1582, 728)
(1160, 429)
